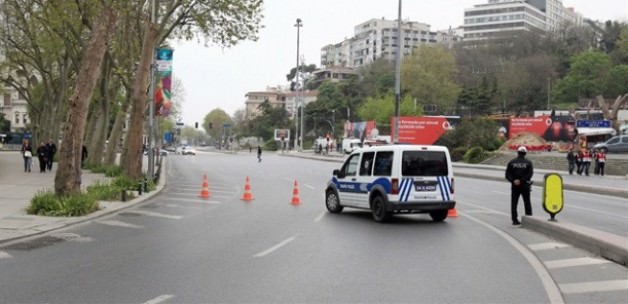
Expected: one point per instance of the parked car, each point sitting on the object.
(617, 143)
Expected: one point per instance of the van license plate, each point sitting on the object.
(425, 185)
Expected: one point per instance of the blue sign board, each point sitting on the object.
(168, 137)
(593, 124)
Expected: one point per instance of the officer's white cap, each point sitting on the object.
(522, 149)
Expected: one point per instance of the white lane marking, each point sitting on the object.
(486, 209)
(547, 246)
(4, 255)
(311, 187)
(191, 200)
(597, 286)
(552, 290)
(155, 214)
(320, 217)
(272, 249)
(159, 299)
(119, 224)
(555, 264)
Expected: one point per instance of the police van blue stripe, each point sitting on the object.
(404, 190)
(442, 180)
(409, 184)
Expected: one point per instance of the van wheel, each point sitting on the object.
(332, 202)
(378, 208)
(439, 215)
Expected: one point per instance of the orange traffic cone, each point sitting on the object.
(452, 212)
(295, 194)
(247, 196)
(205, 190)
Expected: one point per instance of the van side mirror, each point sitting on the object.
(337, 173)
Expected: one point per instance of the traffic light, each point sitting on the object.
(196, 125)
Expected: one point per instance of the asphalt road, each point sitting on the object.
(179, 248)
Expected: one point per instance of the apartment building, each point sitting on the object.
(378, 38)
(277, 97)
(13, 104)
(499, 18)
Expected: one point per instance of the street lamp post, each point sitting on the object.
(296, 97)
(398, 76)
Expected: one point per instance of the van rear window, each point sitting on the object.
(424, 163)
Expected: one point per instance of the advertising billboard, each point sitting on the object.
(425, 130)
(282, 134)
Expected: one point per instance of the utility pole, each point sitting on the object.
(398, 75)
(296, 96)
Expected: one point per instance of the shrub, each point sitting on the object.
(457, 154)
(113, 171)
(47, 203)
(124, 182)
(104, 192)
(475, 155)
(270, 145)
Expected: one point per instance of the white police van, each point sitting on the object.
(394, 179)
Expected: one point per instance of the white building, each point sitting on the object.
(500, 18)
(378, 38)
(13, 104)
(277, 97)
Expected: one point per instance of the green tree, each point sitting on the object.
(429, 76)
(587, 77)
(383, 108)
(217, 118)
(617, 81)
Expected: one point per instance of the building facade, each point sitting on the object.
(277, 97)
(378, 38)
(13, 104)
(500, 18)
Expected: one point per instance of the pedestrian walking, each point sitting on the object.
(596, 166)
(259, 154)
(579, 162)
(586, 161)
(601, 158)
(42, 156)
(27, 154)
(519, 173)
(52, 150)
(83, 155)
(571, 160)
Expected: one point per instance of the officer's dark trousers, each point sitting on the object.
(572, 165)
(514, 201)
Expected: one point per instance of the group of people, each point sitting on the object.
(45, 154)
(581, 161)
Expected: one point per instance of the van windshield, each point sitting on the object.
(424, 163)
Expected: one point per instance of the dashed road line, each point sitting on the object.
(309, 186)
(192, 200)
(119, 224)
(274, 248)
(597, 286)
(155, 214)
(159, 299)
(547, 246)
(564, 263)
(320, 217)
(4, 255)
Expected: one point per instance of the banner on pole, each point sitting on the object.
(163, 94)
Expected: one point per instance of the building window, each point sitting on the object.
(7, 99)
(17, 118)
(24, 118)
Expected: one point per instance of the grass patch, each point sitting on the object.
(47, 203)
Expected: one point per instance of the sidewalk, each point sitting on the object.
(18, 187)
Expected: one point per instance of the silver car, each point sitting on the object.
(614, 144)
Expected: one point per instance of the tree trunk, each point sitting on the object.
(116, 133)
(68, 177)
(133, 164)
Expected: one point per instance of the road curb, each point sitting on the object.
(610, 246)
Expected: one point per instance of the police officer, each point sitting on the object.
(519, 173)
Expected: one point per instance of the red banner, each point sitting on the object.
(537, 125)
(420, 130)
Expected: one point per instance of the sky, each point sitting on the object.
(215, 77)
